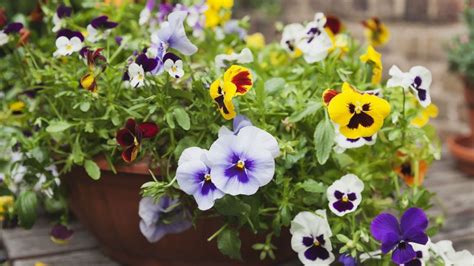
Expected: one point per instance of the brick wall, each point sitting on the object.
(420, 32)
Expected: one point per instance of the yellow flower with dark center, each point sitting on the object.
(373, 58)
(5, 203)
(357, 114)
(255, 41)
(218, 12)
(89, 83)
(237, 81)
(376, 32)
(17, 107)
(424, 117)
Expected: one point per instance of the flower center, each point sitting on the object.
(240, 165)
(207, 178)
(345, 198)
(140, 77)
(68, 47)
(135, 141)
(173, 68)
(316, 243)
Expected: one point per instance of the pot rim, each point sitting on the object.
(141, 167)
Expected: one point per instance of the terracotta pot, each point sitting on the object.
(469, 95)
(109, 209)
(463, 150)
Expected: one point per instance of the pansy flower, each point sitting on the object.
(233, 27)
(145, 14)
(245, 56)
(6, 202)
(376, 32)
(344, 195)
(138, 68)
(237, 81)
(196, 18)
(218, 12)
(10, 28)
(60, 234)
(173, 35)
(347, 260)
(373, 58)
(173, 65)
(255, 41)
(166, 216)
(96, 64)
(406, 172)
(451, 257)
(334, 24)
(291, 36)
(68, 42)
(422, 255)
(315, 43)
(61, 13)
(357, 114)
(130, 137)
(194, 177)
(17, 107)
(241, 164)
(398, 237)
(418, 79)
(157, 52)
(431, 111)
(311, 238)
(99, 28)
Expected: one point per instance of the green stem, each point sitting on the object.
(217, 232)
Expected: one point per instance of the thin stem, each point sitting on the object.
(217, 232)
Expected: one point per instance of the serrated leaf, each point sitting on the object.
(92, 169)
(182, 118)
(323, 140)
(228, 243)
(26, 206)
(57, 126)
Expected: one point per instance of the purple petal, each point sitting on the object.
(171, 56)
(389, 242)
(63, 11)
(316, 252)
(13, 27)
(148, 64)
(240, 121)
(384, 224)
(343, 206)
(418, 237)
(413, 220)
(70, 34)
(347, 260)
(102, 22)
(403, 253)
(308, 241)
(118, 40)
(150, 4)
(182, 44)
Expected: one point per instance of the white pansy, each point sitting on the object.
(418, 80)
(244, 57)
(292, 34)
(3, 38)
(136, 74)
(67, 46)
(344, 195)
(451, 257)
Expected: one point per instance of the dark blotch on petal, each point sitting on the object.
(343, 206)
(308, 241)
(316, 252)
(362, 119)
(124, 137)
(63, 11)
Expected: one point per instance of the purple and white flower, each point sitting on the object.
(62, 12)
(343, 143)
(242, 163)
(451, 257)
(194, 177)
(315, 43)
(311, 238)
(10, 28)
(68, 42)
(418, 80)
(244, 57)
(173, 65)
(157, 52)
(196, 18)
(145, 14)
(291, 36)
(167, 216)
(137, 70)
(344, 195)
(100, 28)
(173, 35)
(422, 255)
(232, 27)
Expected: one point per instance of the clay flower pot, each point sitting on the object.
(108, 208)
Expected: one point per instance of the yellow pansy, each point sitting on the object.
(89, 83)
(375, 59)
(218, 12)
(5, 203)
(422, 119)
(357, 114)
(39, 263)
(376, 32)
(237, 81)
(218, 4)
(255, 41)
(17, 107)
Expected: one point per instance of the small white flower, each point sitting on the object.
(311, 238)
(57, 22)
(445, 250)
(3, 38)
(92, 34)
(145, 16)
(292, 34)
(136, 74)
(67, 46)
(173, 65)
(315, 43)
(244, 57)
(344, 195)
(418, 80)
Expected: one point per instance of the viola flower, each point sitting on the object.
(62, 12)
(347, 260)
(96, 64)
(138, 68)
(89, 82)
(68, 42)
(400, 237)
(422, 255)
(130, 137)
(164, 217)
(173, 65)
(334, 24)
(60, 234)
(232, 27)
(431, 111)
(445, 250)
(157, 52)
(196, 18)
(6, 202)
(373, 58)
(418, 79)
(255, 41)
(194, 177)
(218, 12)
(145, 14)
(245, 56)
(291, 36)
(17, 107)
(406, 172)
(357, 114)
(376, 32)
(311, 238)
(344, 195)
(241, 164)
(10, 28)
(172, 34)
(315, 43)
(99, 28)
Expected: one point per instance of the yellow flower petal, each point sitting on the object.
(255, 41)
(241, 77)
(17, 106)
(375, 59)
(5, 203)
(376, 32)
(424, 117)
(223, 100)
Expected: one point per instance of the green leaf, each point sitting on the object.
(323, 140)
(77, 155)
(229, 243)
(311, 108)
(313, 186)
(232, 206)
(182, 118)
(92, 169)
(274, 85)
(26, 206)
(85, 106)
(169, 120)
(57, 126)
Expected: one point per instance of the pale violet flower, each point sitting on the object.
(291, 36)
(136, 74)
(232, 27)
(196, 18)
(418, 80)
(173, 65)
(344, 195)
(311, 238)
(99, 28)
(68, 42)
(58, 18)
(244, 57)
(242, 163)
(145, 14)
(157, 52)
(315, 43)
(166, 216)
(173, 35)
(451, 257)
(194, 177)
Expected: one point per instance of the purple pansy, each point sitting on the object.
(196, 18)
(164, 10)
(138, 68)
(164, 217)
(10, 28)
(173, 35)
(194, 177)
(173, 65)
(233, 27)
(400, 237)
(347, 260)
(99, 28)
(60, 234)
(58, 19)
(68, 42)
(242, 163)
(422, 255)
(344, 195)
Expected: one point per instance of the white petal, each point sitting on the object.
(135, 69)
(192, 154)
(259, 138)
(187, 176)
(61, 42)
(292, 33)
(223, 131)
(144, 16)
(232, 186)
(3, 38)
(206, 202)
(168, 64)
(245, 56)
(76, 44)
(398, 78)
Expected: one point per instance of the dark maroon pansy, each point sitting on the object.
(148, 64)
(334, 24)
(63, 11)
(70, 34)
(60, 234)
(103, 22)
(94, 57)
(14, 27)
(130, 137)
